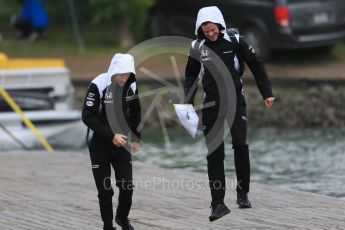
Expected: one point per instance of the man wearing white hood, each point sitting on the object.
(233, 51)
(107, 148)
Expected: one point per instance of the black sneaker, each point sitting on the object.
(242, 200)
(219, 211)
(124, 225)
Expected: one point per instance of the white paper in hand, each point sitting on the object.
(188, 117)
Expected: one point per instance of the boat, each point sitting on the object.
(43, 90)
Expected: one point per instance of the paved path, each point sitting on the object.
(56, 191)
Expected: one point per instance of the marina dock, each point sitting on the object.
(44, 191)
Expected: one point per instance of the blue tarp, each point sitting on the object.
(33, 11)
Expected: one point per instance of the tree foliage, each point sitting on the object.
(134, 12)
(98, 12)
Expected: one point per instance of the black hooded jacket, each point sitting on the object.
(225, 50)
(94, 111)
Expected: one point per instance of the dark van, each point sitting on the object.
(266, 24)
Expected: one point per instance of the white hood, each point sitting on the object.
(209, 14)
(121, 63)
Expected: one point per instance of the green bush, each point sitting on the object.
(135, 12)
(105, 13)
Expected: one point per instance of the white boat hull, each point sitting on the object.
(46, 95)
(61, 129)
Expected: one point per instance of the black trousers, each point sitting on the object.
(102, 158)
(214, 132)
(25, 28)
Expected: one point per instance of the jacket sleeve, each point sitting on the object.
(257, 67)
(191, 74)
(135, 116)
(90, 113)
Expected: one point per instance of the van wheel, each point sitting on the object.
(256, 39)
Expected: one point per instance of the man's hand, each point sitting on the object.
(269, 102)
(119, 140)
(135, 147)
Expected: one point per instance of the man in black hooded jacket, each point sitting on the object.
(108, 148)
(213, 38)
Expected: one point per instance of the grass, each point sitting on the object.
(61, 42)
(339, 50)
(308, 56)
(101, 43)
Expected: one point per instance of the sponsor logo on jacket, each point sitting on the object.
(205, 55)
(108, 97)
(89, 103)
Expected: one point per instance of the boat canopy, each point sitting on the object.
(18, 63)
